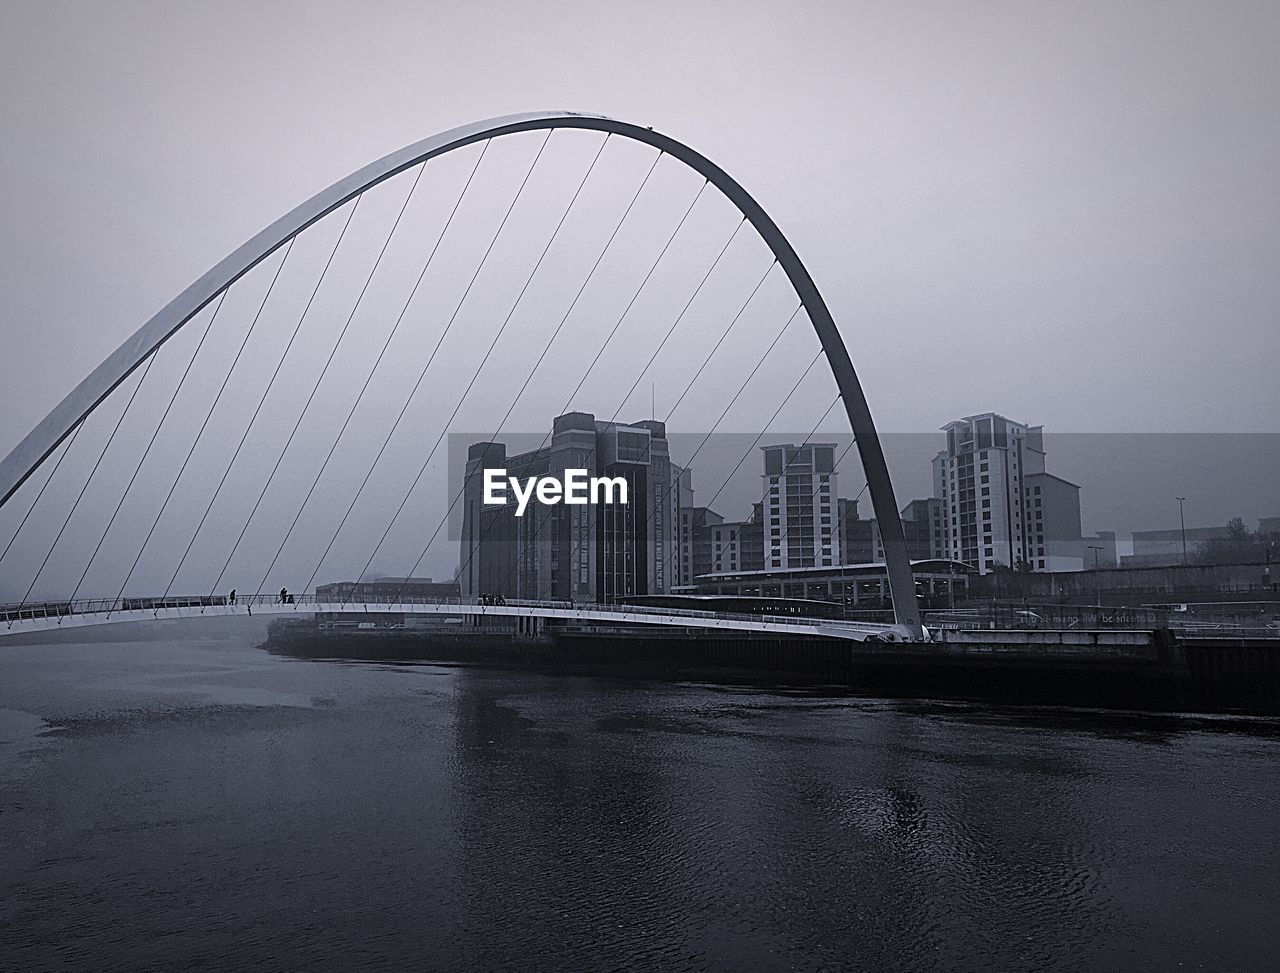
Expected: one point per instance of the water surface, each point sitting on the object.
(186, 803)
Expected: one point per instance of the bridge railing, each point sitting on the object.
(107, 607)
(623, 611)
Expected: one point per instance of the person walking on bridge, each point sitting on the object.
(284, 596)
(231, 598)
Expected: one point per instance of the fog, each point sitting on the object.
(1063, 214)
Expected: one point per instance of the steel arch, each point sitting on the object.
(27, 456)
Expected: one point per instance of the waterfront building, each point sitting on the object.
(999, 504)
(800, 506)
(582, 552)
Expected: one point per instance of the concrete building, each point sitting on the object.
(580, 552)
(999, 505)
(800, 506)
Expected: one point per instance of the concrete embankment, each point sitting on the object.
(1128, 669)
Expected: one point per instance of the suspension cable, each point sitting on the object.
(280, 364)
(203, 425)
(155, 433)
(839, 517)
(821, 420)
(671, 330)
(483, 261)
(591, 453)
(89, 479)
(711, 354)
(316, 387)
(63, 455)
(627, 310)
(529, 280)
(560, 325)
(680, 317)
(622, 317)
(705, 437)
(765, 428)
(736, 395)
(363, 290)
(258, 408)
(480, 267)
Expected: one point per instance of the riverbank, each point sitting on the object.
(1140, 670)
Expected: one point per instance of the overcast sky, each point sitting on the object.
(1066, 213)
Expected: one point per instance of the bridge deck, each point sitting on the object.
(54, 615)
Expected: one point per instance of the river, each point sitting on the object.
(175, 804)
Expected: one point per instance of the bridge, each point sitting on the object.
(139, 478)
(47, 617)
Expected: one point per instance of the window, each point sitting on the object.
(983, 468)
(986, 491)
(986, 479)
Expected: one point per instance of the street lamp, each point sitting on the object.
(1097, 578)
(1183, 521)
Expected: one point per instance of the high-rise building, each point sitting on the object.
(999, 506)
(580, 552)
(800, 506)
